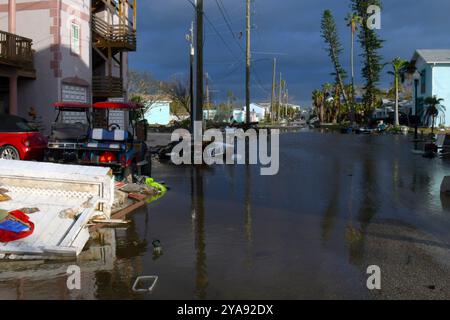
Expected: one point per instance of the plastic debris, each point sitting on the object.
(70, 213)
(145, 284)
(29, 210)
(4, 197)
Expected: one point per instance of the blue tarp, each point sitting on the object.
(13, 226)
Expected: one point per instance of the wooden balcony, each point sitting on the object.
(119, 36)
(17, 52)
(107, 87)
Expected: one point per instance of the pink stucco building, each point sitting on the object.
(63, 50)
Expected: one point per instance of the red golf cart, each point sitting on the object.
(69, 132)
(115, 141)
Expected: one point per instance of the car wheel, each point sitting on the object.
(9, 153)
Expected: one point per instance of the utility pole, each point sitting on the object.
(199, 54)
(274, 84)
(190, 38)
(208, 100)
(279, 97)
(247, 69)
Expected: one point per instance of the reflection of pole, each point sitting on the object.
(248, 206)
(201, 280)
(248, 214)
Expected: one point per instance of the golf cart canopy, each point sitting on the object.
(72, 106)
(117, 105)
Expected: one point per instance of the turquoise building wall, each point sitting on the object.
(158, 113)
(437, 83)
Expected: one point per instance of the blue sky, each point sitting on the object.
(286, 29)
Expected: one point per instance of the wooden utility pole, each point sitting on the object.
(208, 97)
(279, 98)
(274, 84)
(199, 54)
(247, 69)
(191, 74)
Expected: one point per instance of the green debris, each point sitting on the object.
(162, 189)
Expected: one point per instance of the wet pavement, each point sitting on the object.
(339, 204)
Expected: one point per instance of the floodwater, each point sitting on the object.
(339, 204)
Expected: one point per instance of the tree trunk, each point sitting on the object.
(397, 120)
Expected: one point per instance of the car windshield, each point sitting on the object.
(15, 124)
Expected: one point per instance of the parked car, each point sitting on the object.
(19, 140)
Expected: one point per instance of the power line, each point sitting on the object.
(224, 16)
(220, 36)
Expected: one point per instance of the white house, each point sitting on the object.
(257, 113)
(158, 113)
(434, 69)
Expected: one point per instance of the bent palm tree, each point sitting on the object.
(400, 67)
(434, 107)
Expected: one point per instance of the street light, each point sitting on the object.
(416, 77)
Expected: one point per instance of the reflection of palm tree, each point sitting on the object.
(433, 108)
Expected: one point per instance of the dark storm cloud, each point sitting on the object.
(288, 28)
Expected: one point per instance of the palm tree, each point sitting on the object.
(400, 66)
(318, 101)
(434, 107)
(353, 21)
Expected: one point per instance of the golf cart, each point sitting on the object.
(115, 140)
(69, 132)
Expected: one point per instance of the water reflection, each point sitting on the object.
(332, 209)
(356, 235)
(248, 217)
(198, 218)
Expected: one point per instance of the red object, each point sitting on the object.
(117, 105)
(16, 135)
(8, 236)
(108, 157)
(68, 105)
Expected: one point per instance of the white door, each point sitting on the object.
(72, 93)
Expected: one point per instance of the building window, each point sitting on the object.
(423, 82)
(75, 46)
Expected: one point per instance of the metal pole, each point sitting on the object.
(416, 118)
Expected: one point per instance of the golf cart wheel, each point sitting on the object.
(146, 170)
(9, 153)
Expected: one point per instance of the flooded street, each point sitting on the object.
(339, 204)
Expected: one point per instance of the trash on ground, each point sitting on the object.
(145, 284)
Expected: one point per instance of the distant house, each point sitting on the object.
(209, 114)
(434, 68)
(158, 113)
(257, 113)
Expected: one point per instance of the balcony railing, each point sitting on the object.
(117, 35)
(107, 87)
(16, 51)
